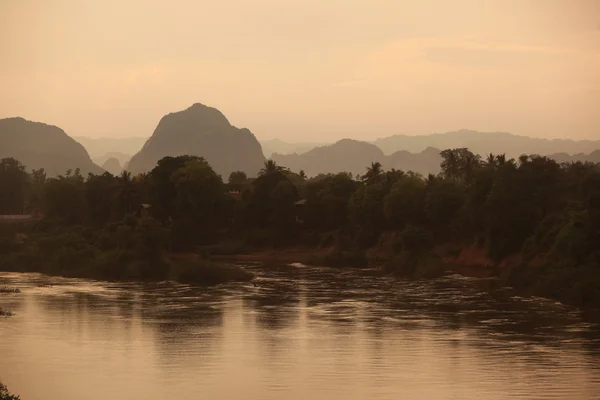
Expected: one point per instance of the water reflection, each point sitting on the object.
(297, 333)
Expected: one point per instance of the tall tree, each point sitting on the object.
(13, 186)
(270, 167)
(374, 172)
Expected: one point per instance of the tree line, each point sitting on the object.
(547, 213)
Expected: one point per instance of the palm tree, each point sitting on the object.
(373, 172)
(501, 159)
(126, 192)
(470, 163)
(270, 168)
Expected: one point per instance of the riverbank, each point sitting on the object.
(136, 251)
(374, 260)
(538, 277)
(187, 268)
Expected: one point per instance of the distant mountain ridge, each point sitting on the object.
(101, 147)
(38, 145)
(484, 143)
(201, 131)
(593, 157)
(113, 166)
(122, 158)
(354, 156)
(281, 147)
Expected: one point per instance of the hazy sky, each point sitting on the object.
(305, 69)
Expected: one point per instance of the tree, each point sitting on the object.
(443, 201)
(14, 184)
(509, 213)
(65, 198)
(161, 188)
(283, 217)
(366, 212)
(270, 167)
(38, 181)
(237, 178)
(196, 206)
(373, 173)
(459, 164)
(100, 195)
(5, 394)
(404, 203)
(327, 200)
(128, 196)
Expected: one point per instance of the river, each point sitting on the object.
(297, 333)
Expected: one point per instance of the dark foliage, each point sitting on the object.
(547, 213)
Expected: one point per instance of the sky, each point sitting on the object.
(305, 70)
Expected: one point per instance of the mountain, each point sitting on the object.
(201, 131)
(346, 155)
(113, 166)
(101, 147)
(355, 156)
(426, 162)
(485, 143)
(122, 158)
(279, 146)
(593, 157)
(38, 145)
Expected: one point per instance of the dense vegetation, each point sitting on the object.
(543, 213)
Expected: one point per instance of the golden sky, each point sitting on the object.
(305, 70)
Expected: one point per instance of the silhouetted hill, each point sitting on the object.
(38, 145)
(355, 156)
(564, 157)
(113, 166)
(99, 148)
(201, 131)
(485, 143)
(346, 155)
(280, 147)
(426, 162)
(121, 157)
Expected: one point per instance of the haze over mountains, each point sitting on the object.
(355, 156)
(204, 131)
(100, 149)
(201, 131)
(39, 145)
(272, 146)
(422, 153)
(486, 142)
(481, 143)
(113, 166)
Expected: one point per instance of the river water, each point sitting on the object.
(297, 333)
